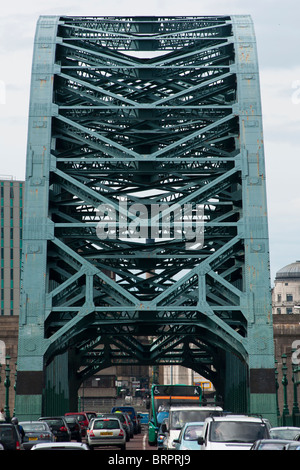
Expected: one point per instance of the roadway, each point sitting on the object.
(140, 441)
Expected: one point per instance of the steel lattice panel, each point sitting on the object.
(155, 111)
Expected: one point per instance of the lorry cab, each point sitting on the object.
(179, 415)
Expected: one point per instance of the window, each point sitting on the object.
(289, 311)
(278, 311)
(289, 298)
(278, 297)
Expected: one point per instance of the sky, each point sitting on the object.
(277, 31)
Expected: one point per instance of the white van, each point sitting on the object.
(232, 432)
(179, 415)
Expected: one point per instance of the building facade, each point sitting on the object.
(11, 202)
(286, 291)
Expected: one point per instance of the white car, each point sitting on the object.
(232, 432)
(106, 432)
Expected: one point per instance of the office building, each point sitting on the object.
(11, 202)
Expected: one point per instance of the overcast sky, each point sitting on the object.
(278, 41)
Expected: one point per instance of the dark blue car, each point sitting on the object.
(133, 415)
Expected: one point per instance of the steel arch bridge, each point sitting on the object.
(141, 112)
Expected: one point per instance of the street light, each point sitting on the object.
(7, 385)
(284, 383)
(277, 387)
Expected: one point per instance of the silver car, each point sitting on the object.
(106, 432)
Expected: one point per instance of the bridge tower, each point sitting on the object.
(145, 236)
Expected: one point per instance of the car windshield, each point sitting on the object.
(193, 432)
(180, 417)
(237, 431)
(106, 424)
(55, 423)
(79, 418)
(121, 417)
(6, 433)
(161, 416)
(34, 427)
(271, 446)
(284, 433)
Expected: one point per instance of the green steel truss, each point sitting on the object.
(150, 110)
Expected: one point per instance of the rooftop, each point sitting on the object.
(290, 271)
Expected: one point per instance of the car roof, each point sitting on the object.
(61, 445)
(194, 423)
(106, 418)
(230, 417)
(195, 407)
(281, 441)
(284, 428)
(51, 417)
(31, 422)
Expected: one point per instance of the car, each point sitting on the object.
(9, 437)
(155, 430)
(82, 418)
(106, 431)
(136, 418)
(161, 436)
(284, 432)
(59, 427)
(122, 417)
(232, 432)
(74, 427)
(270, 444)
(36, 432)
(188, 437)
(61, 446)
(130, 424)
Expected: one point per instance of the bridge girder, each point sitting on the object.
(140, 112)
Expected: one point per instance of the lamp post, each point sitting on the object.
(15, 388)
(294, 379)
(7, 385)
(277, 387)
(284, 382)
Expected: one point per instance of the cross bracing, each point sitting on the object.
(134, 112)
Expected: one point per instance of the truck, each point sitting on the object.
(179, 415)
